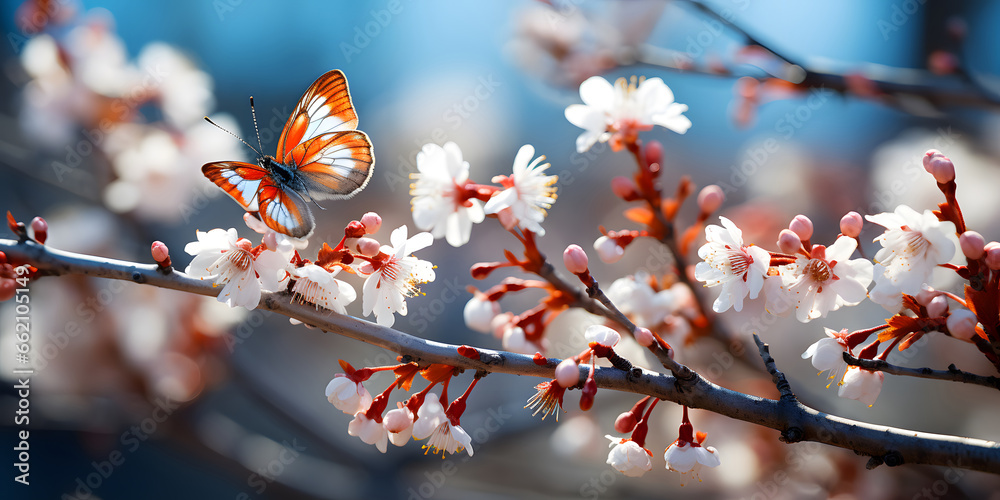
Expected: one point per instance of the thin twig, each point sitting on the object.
(779, 378)
(952, 373)
(890, 445)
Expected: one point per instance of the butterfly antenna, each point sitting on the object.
(209, 120)
(254, 113)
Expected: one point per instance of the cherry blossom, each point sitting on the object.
(316, 285)
(636, 298)
(828, 354)
(396, 277)
(627, 457)
(442, 204)
(223, 255)
(739, 268)
(370, 431)
(399, 424)
(826, 280)
(435, 426)
(347, 395)
(602, 335)
(861, 384)
(618, 112)
(528, 192)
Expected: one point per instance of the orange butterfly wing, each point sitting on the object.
(325, 107)
(254, 189)
(335, 165)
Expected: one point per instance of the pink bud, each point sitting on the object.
(568, 373)
(939, 166)
(802, 226)
(789, 242)
(625, 423)
(40, 228)
(962, 324)
(507, 219)
(973, 245)
(608, 250)
(654, 152)
(588, 393)
(710, 198)
(270, 241)
(575, 259)
(372, 222)
(851, 224)
(398, 420)
(925, 295)
(624, 188)
(161, 255)
(937, 307)
(644, 337)
(368, 246)
(993, 255)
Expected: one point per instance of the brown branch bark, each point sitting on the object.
(797, 422)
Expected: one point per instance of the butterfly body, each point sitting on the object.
(320, 156)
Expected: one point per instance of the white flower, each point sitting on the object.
(440, 201)
(347, 395)
(608, 250)
(479, 313)
(615, 112)
(529, 192)
(514, 340)
(385, 291)
(283, 242)
(627, 457)
(685, 457)
(738, 268)
(828, 354)
(399, 424)
(223, 255)
(913, 244)
(370, 431)
(602, 335)
(318, 286)
(826, 281)
(434, 424)
(636, 298)
(861, 384)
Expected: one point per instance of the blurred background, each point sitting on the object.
(148, 393)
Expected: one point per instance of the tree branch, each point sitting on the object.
(885, 444)
(952, 373)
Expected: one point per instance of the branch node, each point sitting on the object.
(137, 277)
(874, 462)
(634, 374)
(792, 435)
(893, 459)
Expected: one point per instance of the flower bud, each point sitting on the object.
(368, 246)
(962, 324)
(575, 259)
(602, 335)
(993, 255)
(625, 423)
(937, 307)
(270, 241)
(589, 391)
(479, 313)
(161, 254)
(789, 242)
(624, 188)
(568, 373)
(372, 222)
(802, 226)
(710, 198)
(40, 228)
(925, 295)
(608, 250)
(398, 420)
(851, 224)
(354, 229)
(654, 153)
(644, 337)
(973, 245)
(939, 166)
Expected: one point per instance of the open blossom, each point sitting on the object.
(433, 423)
(347, 395)
(528, 192)
(619, 112)
(689, 457)
(441, 203)
(385, 291)
(399, 424)
(913, 244)
(602, 335)
(826, 280)
(223, 255)
(828, 354)
(636, 298)
(370, 431)
(861, 384)
(316, 285)
(627, 457)
(740, 269)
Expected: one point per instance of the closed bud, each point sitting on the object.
(40, 229)
(161, 255)
(993, 255)
(368, 246)
(939, 166)
(937, 307)
(624, 188)
(851, 224)
(654, 153)
(625, 423)
(589, 391)
(644, 337)
(568, 373)
(608, 250)
(802, 226)
(789, 242)
(973, 245)
(962, 324)
(710, 199)
(575, 259)
(372, 222)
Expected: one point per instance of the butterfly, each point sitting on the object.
(321, 156)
